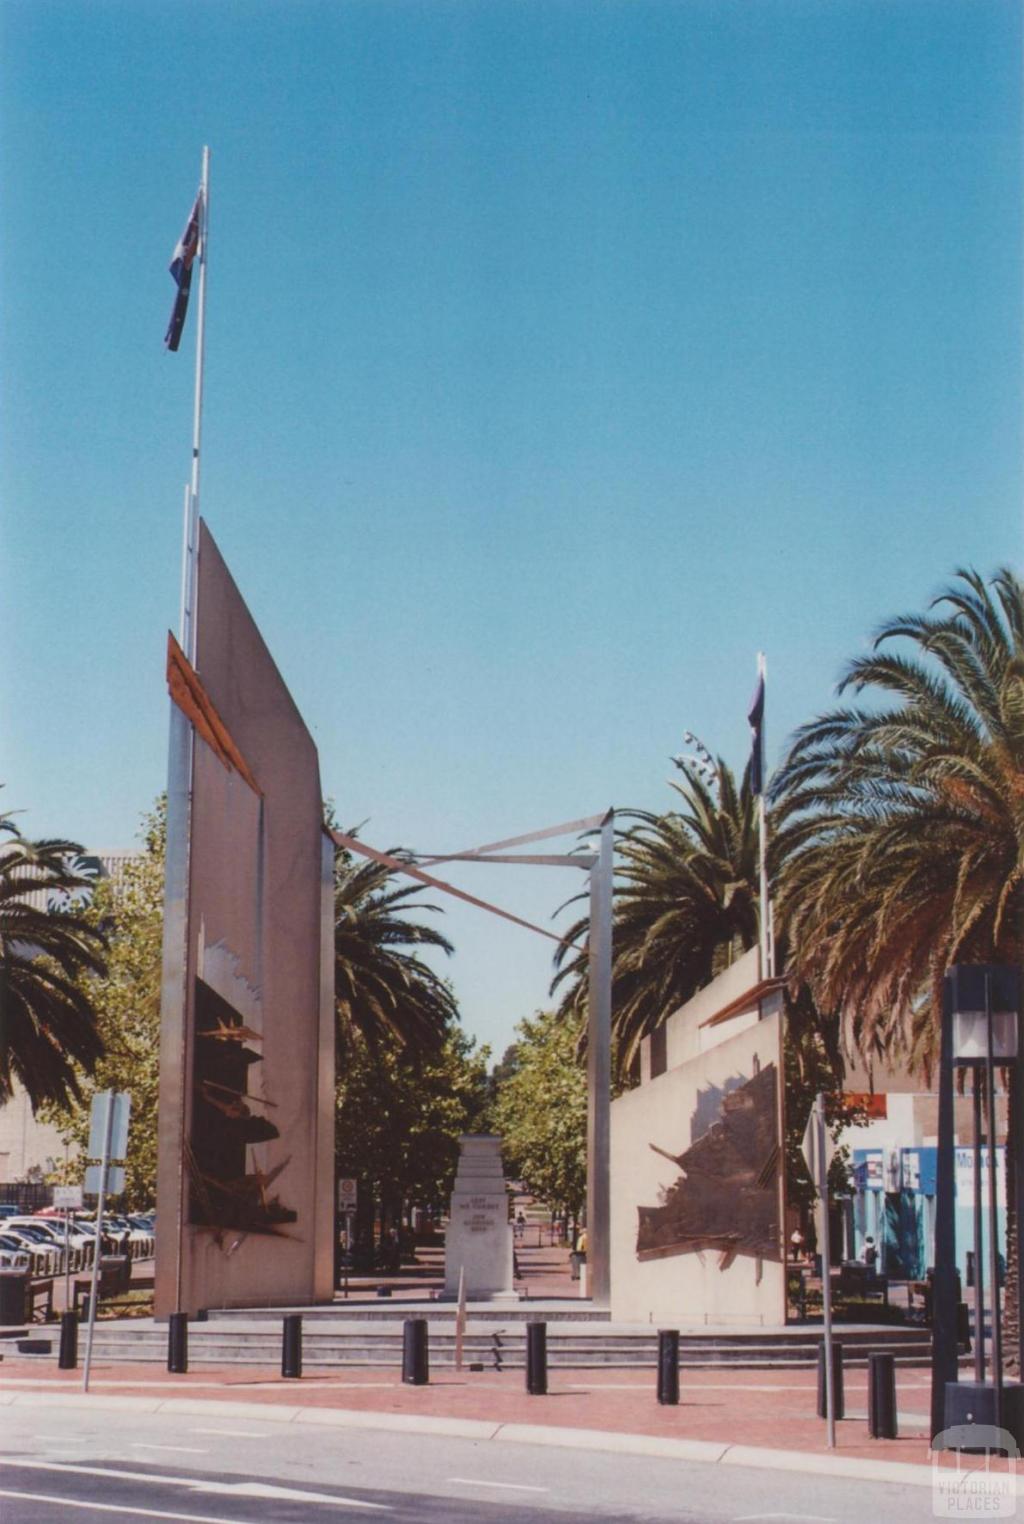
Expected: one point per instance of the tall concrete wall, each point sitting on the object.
(688, 1284)
(245, 1204)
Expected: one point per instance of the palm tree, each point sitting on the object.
(686, 903)
(902, 824)
(382, 989)
(47, 1023)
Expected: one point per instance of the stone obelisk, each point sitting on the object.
(479, 1234)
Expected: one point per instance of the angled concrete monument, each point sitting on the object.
(479, 1235)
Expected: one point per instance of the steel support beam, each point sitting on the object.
(599, 1070)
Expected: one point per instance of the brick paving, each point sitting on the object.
(772, 1409)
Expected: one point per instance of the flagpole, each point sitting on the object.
(767, 941)
(188, 629)
(182, 735)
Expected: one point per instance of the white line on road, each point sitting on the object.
(235, 1433)
(801, 1518)
(136, 1513)
(140, 1444)
(199, 1484)
(476, 1481)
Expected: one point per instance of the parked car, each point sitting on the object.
(14, 1256)
(78, 1244)
(53, 1227)
(44, 1256)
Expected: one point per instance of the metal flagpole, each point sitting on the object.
(767, 941)
(182, 737)
(188, 630)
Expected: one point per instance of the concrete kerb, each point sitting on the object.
(705, 1452)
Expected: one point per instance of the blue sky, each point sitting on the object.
(560, 357)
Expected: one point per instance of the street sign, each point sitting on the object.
(67, 1197)
(817, 1148)
(817, 1151)
(348, 1194)
(115, 1179)
(108, 1138)
(122, 1104)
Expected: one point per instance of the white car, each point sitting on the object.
(45, 1259)
(53, 1227)
(14, 1259)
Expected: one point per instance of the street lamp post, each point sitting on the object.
(981, 1013)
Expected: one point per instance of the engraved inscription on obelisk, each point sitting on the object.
(479, 1234)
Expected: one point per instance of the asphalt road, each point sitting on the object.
(59, 1465)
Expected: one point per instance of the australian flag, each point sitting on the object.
(755, 719)
(181, 270)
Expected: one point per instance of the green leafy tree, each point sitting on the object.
(902, 826)
(540, 1110)
(813, 1063)
(686, 904)
(399, 1116)
(127, 1005)
(49, 1034)
(384, 990)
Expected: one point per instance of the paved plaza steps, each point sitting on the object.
(341, 1344)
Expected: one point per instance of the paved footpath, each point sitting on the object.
(733, 1417)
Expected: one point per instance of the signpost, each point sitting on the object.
(108, 1138)
(348, 1197)
(69, 1197)
(817, 1149)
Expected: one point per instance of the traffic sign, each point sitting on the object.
(67, 1196)
(94, 1179)
(348, 1195)
(121, 1102)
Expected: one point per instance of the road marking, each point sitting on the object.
(235, 1433)
(199, 1484)
(804, 1518)
(476, 1481)
(138, 1513)
(140, 1444)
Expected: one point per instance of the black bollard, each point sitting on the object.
(68, 1359)
(537, 1359)
(838, 1406)
(882, 1396)
(177, 1343)
(291, 1346)
(668, 1366)
(415, 1359)
(86, 1309)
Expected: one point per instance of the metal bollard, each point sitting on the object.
(537, 1359)
(415, 1359)
(838, 1405)
(68, 1358)
(177, 1343)
(668, 1366)
(882, 1396)
(291, 1346)
(86, 1308)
